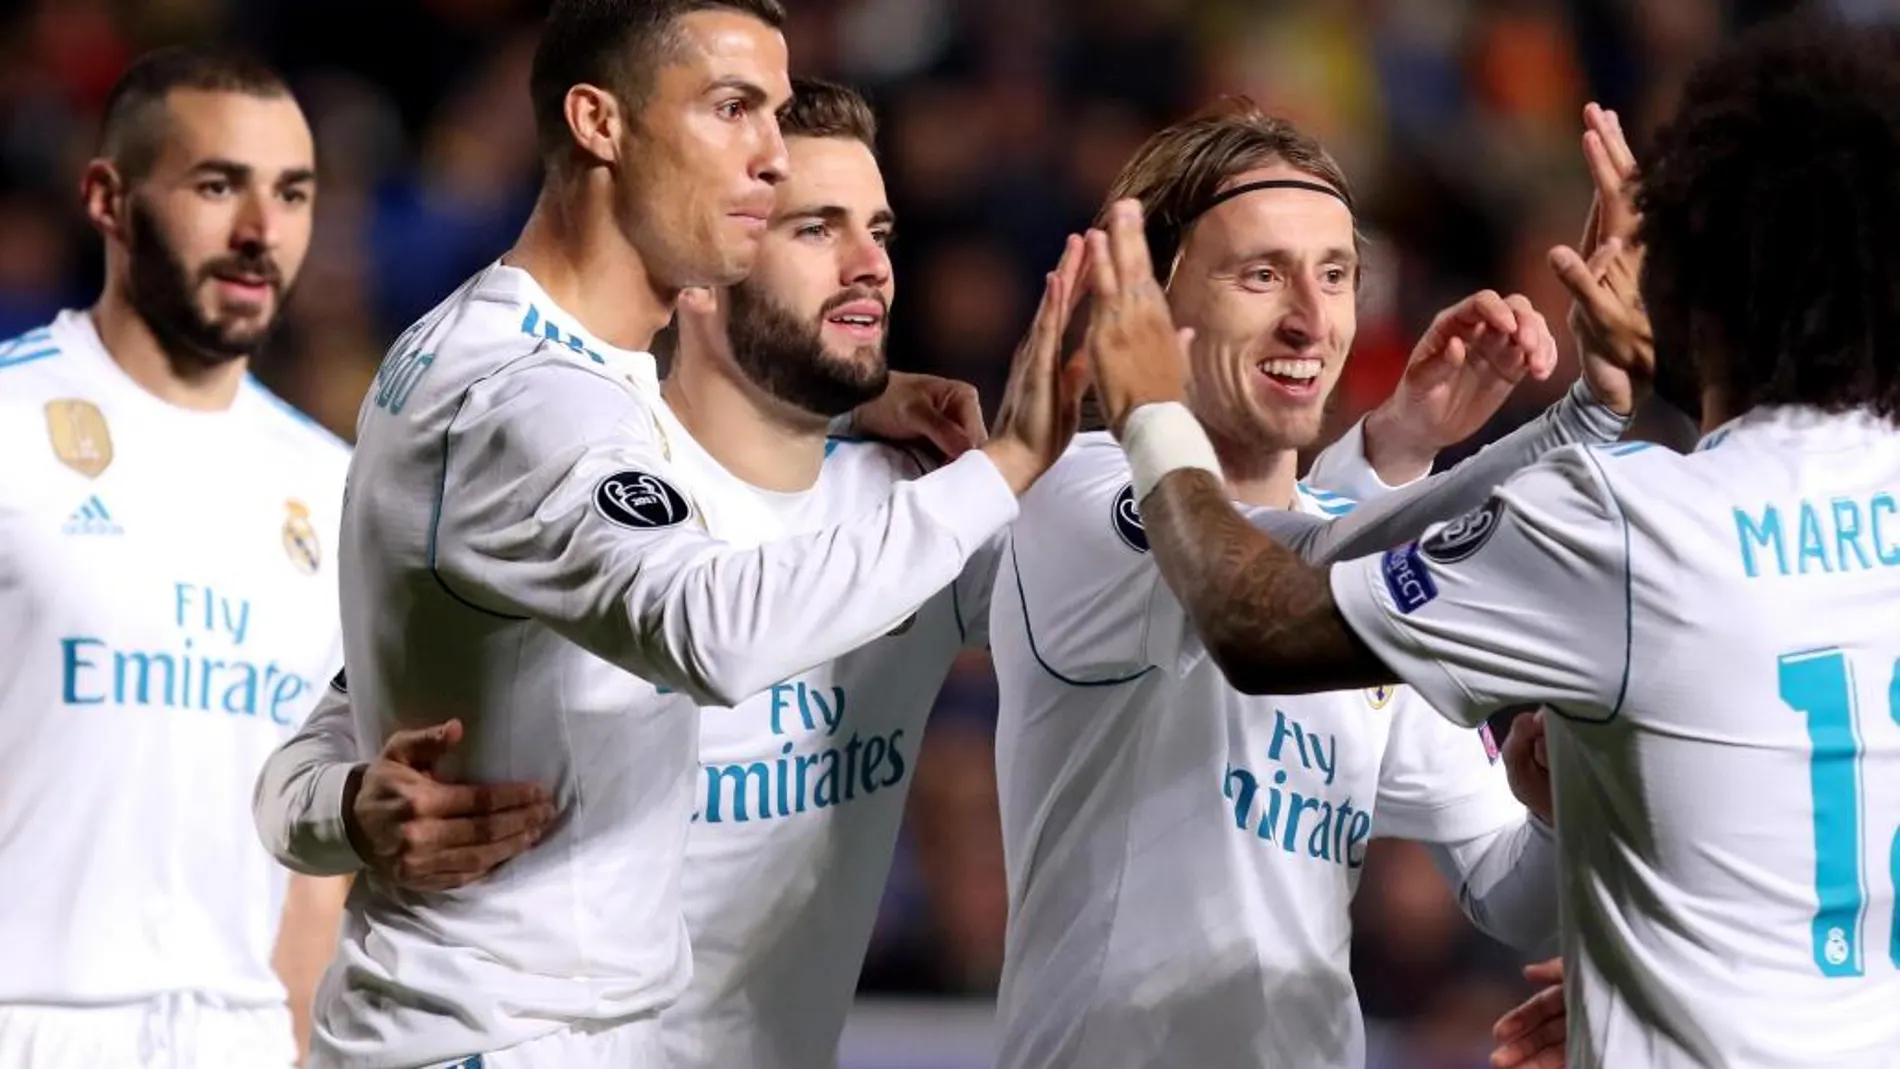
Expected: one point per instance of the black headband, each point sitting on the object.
(1271, 183)
(1163, 251)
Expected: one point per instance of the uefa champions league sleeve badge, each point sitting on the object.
(1126, 519)
(641, 501)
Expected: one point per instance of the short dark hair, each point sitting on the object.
(615, 44)
(826, 109)
(1176, 173)
(1771, 215)
(132, 128)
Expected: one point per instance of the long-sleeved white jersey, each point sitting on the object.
(1181, 857)
(1718, 636)
(532, 545)
(168, 592)
(799, 799)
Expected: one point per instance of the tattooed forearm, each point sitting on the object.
(1266, 617)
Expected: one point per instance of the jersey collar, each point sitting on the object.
(1803, 420)
(566, 332)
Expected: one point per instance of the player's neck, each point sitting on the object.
(1256, 476)
(575, 251)
(1714, 410)
(758, 438)
(177, 379)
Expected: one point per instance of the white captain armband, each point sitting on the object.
(1164, 437)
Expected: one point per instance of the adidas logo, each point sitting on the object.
(91, 518)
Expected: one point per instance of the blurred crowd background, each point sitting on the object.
(1456, 120)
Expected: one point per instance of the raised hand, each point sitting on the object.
(1613, 170)
(1614, 340)
(1135, 352)
(1461, 371)
(1607, 317)
(427, 835)
(1042, 407)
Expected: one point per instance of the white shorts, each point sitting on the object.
(177, 1031)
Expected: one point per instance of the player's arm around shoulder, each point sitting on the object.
(1525, 599)
(297, 802)
(1400, 515)
(324, 808)
(560, 505)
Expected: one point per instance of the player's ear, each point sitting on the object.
(102, 191)
(700, 316)
(698, 302)
(595, 121)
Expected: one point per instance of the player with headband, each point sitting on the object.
(1181, 857)
(1711, 632)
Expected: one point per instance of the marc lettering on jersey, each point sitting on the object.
(821, 761)
(1290, 807)
(199, 672)
(1819, 538)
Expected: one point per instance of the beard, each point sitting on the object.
(163, 290)
(785, 355)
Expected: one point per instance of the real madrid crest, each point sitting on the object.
(300, 538)
(1380, 697)
(80, 437)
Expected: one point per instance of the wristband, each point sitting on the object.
(1162, 437)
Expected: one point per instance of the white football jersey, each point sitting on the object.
(1719, 636)
(1181, 856)
(168, 600)
(531, 548)
(799, 797)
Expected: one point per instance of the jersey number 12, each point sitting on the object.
(1819, 685)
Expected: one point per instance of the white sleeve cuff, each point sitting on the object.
(1584, 419)
(1344, 468)
(320, 843)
